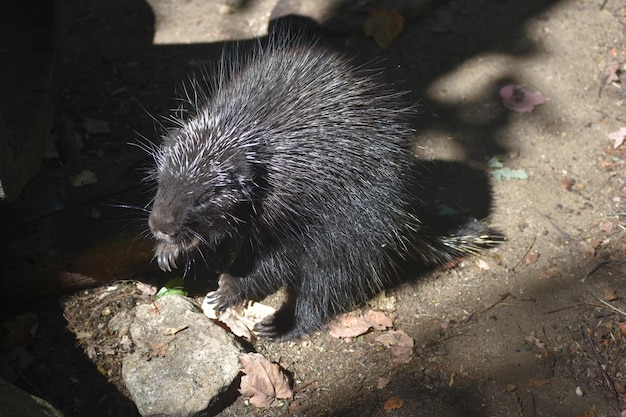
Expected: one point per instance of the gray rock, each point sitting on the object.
(15, 402)
(182, 360)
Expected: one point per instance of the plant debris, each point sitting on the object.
(264, 382)
(520, 100)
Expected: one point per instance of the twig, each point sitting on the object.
(603, 4)
(600, 265)
(502, 298)
(563, 233)
(611, 307)
(566, 308)
(607, 378)
(525, 254)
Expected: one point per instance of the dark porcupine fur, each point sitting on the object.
(295, 170)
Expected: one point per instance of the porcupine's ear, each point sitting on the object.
(238, 173)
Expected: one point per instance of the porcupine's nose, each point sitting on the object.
(162, 224)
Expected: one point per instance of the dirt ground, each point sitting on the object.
(536, 327)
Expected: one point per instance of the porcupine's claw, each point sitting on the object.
(216, 300)
(227, 295)
(166, 255)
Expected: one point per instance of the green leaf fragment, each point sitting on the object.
(509, 174)
(174, 286)
(499, 171)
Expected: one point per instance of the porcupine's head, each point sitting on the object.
(205, 184)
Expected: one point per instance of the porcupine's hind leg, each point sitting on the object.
(322, 290)
(299, 315)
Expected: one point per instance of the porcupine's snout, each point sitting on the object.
(163, 226)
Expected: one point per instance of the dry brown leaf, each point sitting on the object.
(588, 413)
(263, 381)
(355, 324)
(609, 294)
(536, 345)
(401, 355)
(587, 248)
(393, 403)
(146, 289)
(607, 227)
(239, 321)
(348, 325)
(84, 177)
(384, 26)
(551, 272)
(539, 382)
(21, 330)
(378, 320)
(396, 338)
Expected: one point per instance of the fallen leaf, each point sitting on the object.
(588, 413)
(378, 320)
(382, 382)
(494, 162)
(355, 324)
(239, 321)
(264, 381)
(174, 286)
(519, 99)
(567, 183)
(85, 177)
(617, 137)
(401, 355)
(609, 294)
(20, 330)
(607, 227)
(499, 171)
(536, 345)
(551, 272)
(384, 26)
(509, 174)
(393, 403)
(587, 248)
(482, 264)
(19, 358)
(539, 382)
(146, 289)
(395, 338)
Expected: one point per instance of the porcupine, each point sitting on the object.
(294, 168)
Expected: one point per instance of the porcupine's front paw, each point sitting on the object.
(227, 294)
